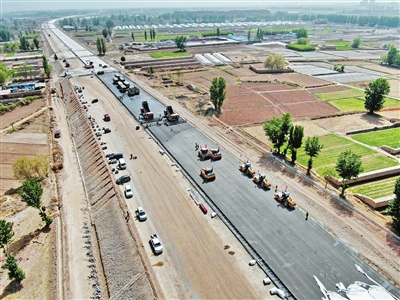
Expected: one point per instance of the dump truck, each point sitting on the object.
(145, 111)
(207, 173)
(262, 181)
(203, 153)
(170, 115)
(215, 154)
(246, 169)
(285, 198)
(133, 91)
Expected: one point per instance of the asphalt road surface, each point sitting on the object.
(295, 249)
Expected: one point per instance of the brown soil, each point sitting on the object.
(21, 112)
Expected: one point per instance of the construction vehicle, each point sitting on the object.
(262, 181)
(246, 169)
(207, 173)
(106, 118)
(170, 115)
(133, 91)
(145, 111)
(203, 153)
(89, 65)
(215, 154)
(285, 198)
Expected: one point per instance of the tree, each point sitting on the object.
(356, 43)
(180, 42)
(277, 130)
(6, 234)
(145, 35)
(375, 94)
(218, 31)
(295, 140)
(249, 35)
(47, 68)
(348, 166)
(99, 46)
(109, 24)
(394, 207)
(36, 43)
(312, 148)
(133, 36)
(24, 43)
(275, 61)
(123, 58)
(150, 70)
(391, 55)
(25, 70)
(31, 167)
(301, 33)
(179, 74)
(31, 192)
(303, 41)
(104, 32)
(217, 92)
(103, 46)
(14, 272)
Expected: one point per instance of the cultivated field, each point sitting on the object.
(388, 137)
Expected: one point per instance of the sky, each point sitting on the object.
(19, 5)
(26, 5)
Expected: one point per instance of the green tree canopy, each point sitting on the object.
(348, 166)
(31, 193)
(180, 42)
(217, 92)
(375, 94)
(394, 207)
(303, 41)
(31, 167)
(295, 140)
(391, 55)
(109, 24)
(104, 32)
(312, 148)
(277, 130)
(6, 234)
(275, 61)
(36, 43)
(356, 43)
(301, 33)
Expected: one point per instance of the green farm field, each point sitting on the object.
(388, 137)
(168, 54)
(377, 189)
(333, 145)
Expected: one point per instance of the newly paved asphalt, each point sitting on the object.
(295, 249)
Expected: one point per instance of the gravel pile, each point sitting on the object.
(123, 269)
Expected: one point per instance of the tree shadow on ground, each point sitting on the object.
(374, 119)
(19, 244)
(13, 287)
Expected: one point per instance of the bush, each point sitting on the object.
(298, 47)
(123, 58)
(214, 33)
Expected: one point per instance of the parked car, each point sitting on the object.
(95, 100)
(53, 90)
(141, 214)
(106, 118)
(57, 134)
(203, 208)
(112, 161)
(156, 244)
(128, 192)
(123, 179)
(106, 130)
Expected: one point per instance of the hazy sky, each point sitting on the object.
(26, 5)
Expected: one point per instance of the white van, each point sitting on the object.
(121, 164)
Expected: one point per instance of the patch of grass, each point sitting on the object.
(31, 36)
(340, 45)
(377, 189)
(10, 54)
(390, 102)
(340, 94)
(380, 138)
(333, 146)
(168, 54)
(82, 34)
(349, 104)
